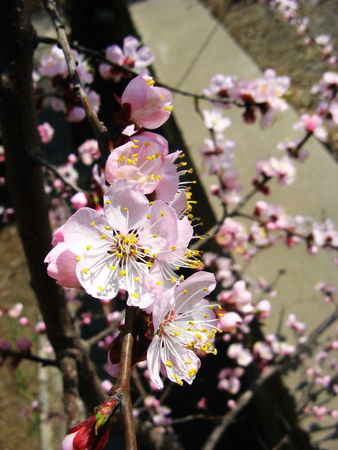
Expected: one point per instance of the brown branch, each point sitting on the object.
(98, 127)
(282, 365)
(284, 230)
(28, 356)
(122, 386)
(55, 171)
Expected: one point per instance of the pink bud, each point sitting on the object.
(79, 200)
(24, 344)
(23, 321)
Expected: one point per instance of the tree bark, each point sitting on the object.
(25, 182)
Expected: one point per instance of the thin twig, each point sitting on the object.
(102, 334)
(98, 127)
(99, 56)
(282, 365)
(195, 417)
(287, 231)
(28, 356)
(122, 387)
(56, 172)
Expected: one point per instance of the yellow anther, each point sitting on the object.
(187, 361)
(136, 278)
(150, 82)
(154, 235)
(121, 158)
(205, 316)
(210, 336)
(176, 333)
(148, 216)
(198, 336)
(162, 213)
(185, 291)
(112, 267)
(85, 271)
(88, 247)
(100, 288)
(191, 322)
(192, 372)
(93, 223)
(173, 248)
(168, 108)
(122, 272)
(149, 264)
(135, 295)
(125, 208)
(154, 255)
(146, 143)
(220, 315)
(103, 236)
(107, 227)
(181, 277)
(173, 279)
(146, 251)
(134, 146)
(136, 141)
(215, 351)
(169, 364)
(159, 283)
(205, 289)
(161, 97)
(78, 258)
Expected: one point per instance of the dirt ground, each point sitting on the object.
(17, 390)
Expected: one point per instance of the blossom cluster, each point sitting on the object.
(138, 238)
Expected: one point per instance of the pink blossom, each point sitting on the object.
(282, 169)
(89, 151)
(217, 154)
(133, 55)
(263, 351)
(263, 309)
(202, 403)
(242, 355)
(220, 86)
(40, 327)
(145, 159)
(292, 322)
(148, 106)
(15, 311)
(312, 124)
(79, 200)
(132, 245)
(320, 411)
(183, 323)
(53, 63)
(230, 321)
(214, 120)
(46, 132)
(62, 266)
(232, 235)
